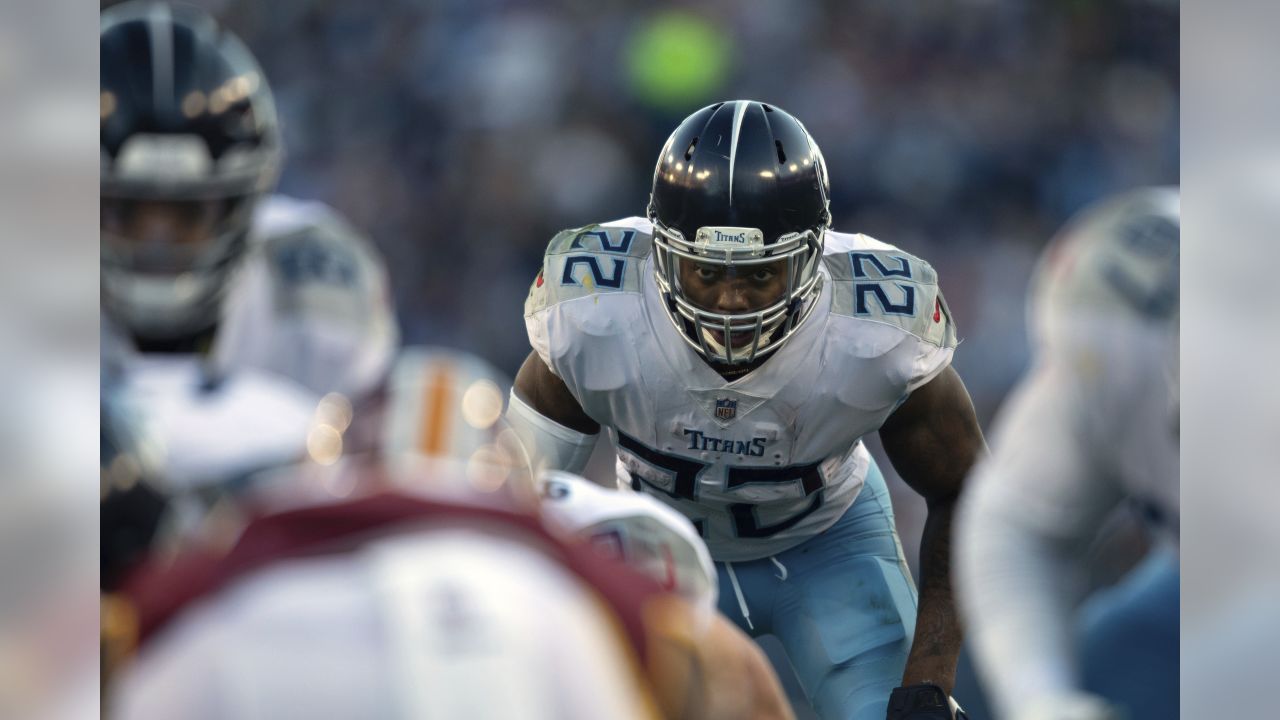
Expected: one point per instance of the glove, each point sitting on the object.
(923, 701)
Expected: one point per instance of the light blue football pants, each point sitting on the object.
(842, 605)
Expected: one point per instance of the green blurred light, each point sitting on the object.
(677, 59)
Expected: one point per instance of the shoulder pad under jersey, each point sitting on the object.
(313, 303)
(307, 245)
(875, 281)
(589, 260)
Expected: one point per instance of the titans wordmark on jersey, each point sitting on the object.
(762, 463)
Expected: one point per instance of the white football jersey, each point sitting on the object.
(636, 529)
(196, 434)
(766, 461)
(309, 301)
(450, 622)
(307, 313)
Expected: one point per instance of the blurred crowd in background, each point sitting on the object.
(462, 134)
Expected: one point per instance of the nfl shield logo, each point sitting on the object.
(726, 409)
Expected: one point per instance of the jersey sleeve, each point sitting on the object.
(1048, 468)
(935, 339)
(581, 267)
(881, 285)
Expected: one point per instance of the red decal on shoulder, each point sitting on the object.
(538, 282)
(937, 310)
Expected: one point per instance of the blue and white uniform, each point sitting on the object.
(307, 313)
(770, 467)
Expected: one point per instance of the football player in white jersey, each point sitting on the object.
(198, 263)
(736, 350)
(203, 275)
(1094, 423)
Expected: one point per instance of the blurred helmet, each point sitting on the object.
(1117, 260)
(740, 185)
(1113, 271)
(189, 142)
(443, 430)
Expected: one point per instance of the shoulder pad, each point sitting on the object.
(590, 260)
(875, 281)
(310, 281)
(321, 249)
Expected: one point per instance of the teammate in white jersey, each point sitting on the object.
(193, 260)
(203, 274)
(1094, 423)
(737, 350)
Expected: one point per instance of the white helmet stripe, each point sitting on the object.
(739, 109)
(160, 29)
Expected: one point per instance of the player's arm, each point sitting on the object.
(933, 439)
(709, 670)
(1028, 515)
(550, 421)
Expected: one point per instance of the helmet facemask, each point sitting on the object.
(738, 338)
(167, 283)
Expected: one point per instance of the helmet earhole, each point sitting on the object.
(782, 156)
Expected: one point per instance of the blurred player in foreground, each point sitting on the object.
(424, 583)
(737, 349)
(1094, 424)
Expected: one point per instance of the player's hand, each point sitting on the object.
(1074, 706)
(923, 701)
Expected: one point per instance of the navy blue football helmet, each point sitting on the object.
(190, 142)
(740, 183)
